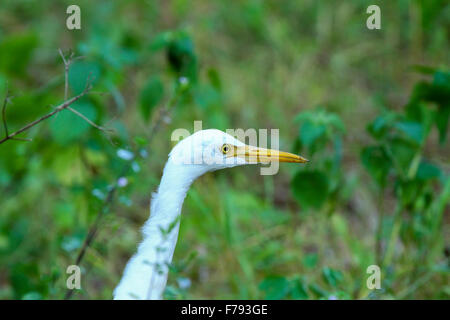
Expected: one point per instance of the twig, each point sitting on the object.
(67, 62)
(66, 72)
(93, 230)
(60, 107)
(88, 120)
(5, 103)
(65, 105)
(4, 111)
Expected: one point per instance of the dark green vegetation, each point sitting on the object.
(370, 109)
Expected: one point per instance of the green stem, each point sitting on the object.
(393, 236)
(414, 165)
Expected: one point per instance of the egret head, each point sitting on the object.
(212, 149)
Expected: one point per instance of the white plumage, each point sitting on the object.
(145, 275)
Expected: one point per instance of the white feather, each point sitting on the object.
(145, 275)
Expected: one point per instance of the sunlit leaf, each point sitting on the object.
(413, 130)
(81, 73)
(66, 126)
(310, 132)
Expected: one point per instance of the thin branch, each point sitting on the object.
(5, 125)
(60, 107)
(94, 228)
(21, 139)
(5, 102)
(67, 62)
(65, 105)
(88, 120)
(66, 74)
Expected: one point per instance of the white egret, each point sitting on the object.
(145, 275)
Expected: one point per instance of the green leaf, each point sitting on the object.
(181, 56)
(310, 260)
(442, 118)
(427, 70)
(161, 40)
(141, 141)
(299, 289)
(427, 171)
(332, 277)
(67, 127)
(442, 79)
(214, 79)
(377, 162)
(32, 296)
(64, 215)
(310, 188)
(340, 224)
(275, 287)
(402, 152)
(3, 86)
(438, 91)
(318, 291)
(22, 277)
(81, 72)
(379, 127)
(413, 130)
(317, 128)
(16, 52)
(310, 132)
(151, 95)
(408, 191)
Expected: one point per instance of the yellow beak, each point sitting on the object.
(261, 155)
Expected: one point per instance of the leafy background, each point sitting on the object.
(370, 108)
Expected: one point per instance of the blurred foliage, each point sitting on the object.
(370, 109)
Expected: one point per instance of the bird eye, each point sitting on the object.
(226, 148)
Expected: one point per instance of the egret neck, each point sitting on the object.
(145, 275)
